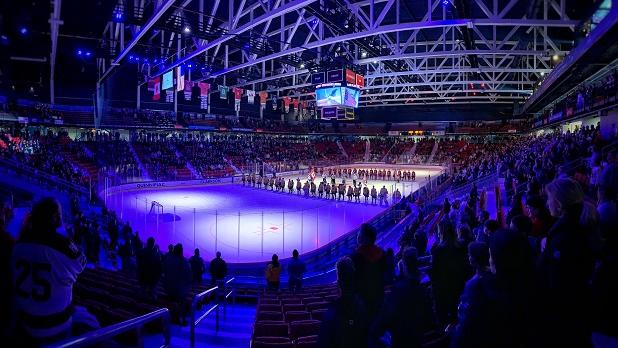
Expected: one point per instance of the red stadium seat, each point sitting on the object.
(293, 307)
(304, 328)
(269, 315)
(318, 314)
(270, 329)
(297, 315)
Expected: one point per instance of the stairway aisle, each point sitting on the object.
(234, 330)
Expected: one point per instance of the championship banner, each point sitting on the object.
(180, 79)
(236, 104)
(223, 92)
(204, 88)
(274, 100)
(169, 96)
(360, 80)
(250, 96)
(295, 103)
(188, 90)
(157, 88)
(286, 104)
(350, 76)
(263, 98)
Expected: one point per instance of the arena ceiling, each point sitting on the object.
(411, 51)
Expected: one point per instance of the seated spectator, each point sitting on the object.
(217, 269)
(149, 268)
(296, 270)
(566, 266)
(177, 281)
(273, 273)
(370, 265)
(406, 312)
(345, 324)
(45, 266)
(197, 266)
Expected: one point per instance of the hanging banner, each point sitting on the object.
(223, 92)
(334, 76)
(250, 96)
(360, 80)
(157, 88)
(204, 88)
(169, 96)
(236, 104)
(350, 76)
(317, 78)
(295, 103)
(286, 104)
(263, 98)
(274, 100)
(237, 93)
(188, 90)
(180, 79)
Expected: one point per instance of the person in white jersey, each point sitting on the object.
(45, 266)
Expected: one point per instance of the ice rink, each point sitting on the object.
(246, 224)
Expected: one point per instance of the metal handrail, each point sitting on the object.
(105, 333)
(215, 308)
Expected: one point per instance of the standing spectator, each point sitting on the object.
(496, 308)
(296, 270)
(345, 324)
(149, 268)
(217, 269)
(45, 266)
(370, 265)
(566, 266)
(406, 312)
(608, 215)
(177, 280)
(197, 266)
(273, 273)
(540, 216)
(6, 291)
(449, 272)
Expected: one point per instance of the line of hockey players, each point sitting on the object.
(324, 189)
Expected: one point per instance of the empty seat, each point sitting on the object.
(307, 342)
(261, 344)
(269, 308)
(304, 328)
(317, 305)
(312, 300)
(293, 307)
(291, 300)
(318, 314)
(270, 315)
(267, 328)
(270, 301)
(297, 315)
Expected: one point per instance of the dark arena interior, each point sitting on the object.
(309, 173)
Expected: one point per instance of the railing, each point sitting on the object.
(40, 175)
(221, 294)
(106, 333)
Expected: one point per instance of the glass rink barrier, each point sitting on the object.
(244, 224)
